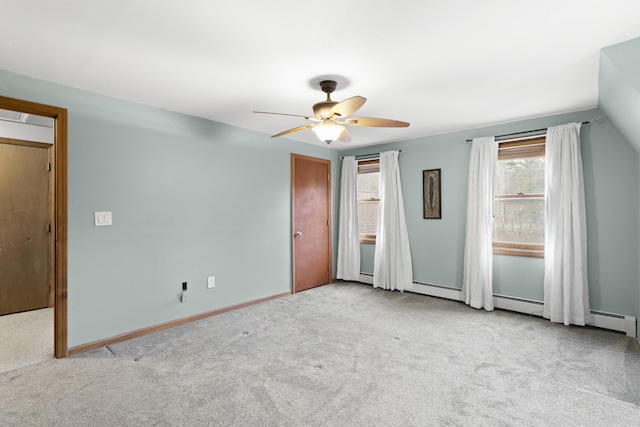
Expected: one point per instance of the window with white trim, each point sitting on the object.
(518, 207)
(368, 199)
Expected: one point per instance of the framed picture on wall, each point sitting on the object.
(432, 197)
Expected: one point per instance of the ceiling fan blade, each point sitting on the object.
(348, 106)
(291, 115)
(375, 122)
(345, 136)
(286, 132)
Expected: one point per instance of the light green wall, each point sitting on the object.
(619, 98)
(612, 199)
(611, 188)
(626, 57)
(190, 198)
(518, 276)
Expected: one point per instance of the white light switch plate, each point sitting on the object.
(103, 218)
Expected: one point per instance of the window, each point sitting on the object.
(518, 207)
(368, 199)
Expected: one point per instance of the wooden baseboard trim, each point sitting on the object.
(162, 326)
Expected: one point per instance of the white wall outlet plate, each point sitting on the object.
(103, 218)
(211, 282)
(185, 296)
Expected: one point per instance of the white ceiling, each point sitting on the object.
(443, 66)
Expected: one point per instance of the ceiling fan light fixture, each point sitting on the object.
(327, 132)
(329, 116)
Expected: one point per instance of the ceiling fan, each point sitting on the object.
(330, 116)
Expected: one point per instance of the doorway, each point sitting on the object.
(27, 249)
(311, 222)
(58, 209)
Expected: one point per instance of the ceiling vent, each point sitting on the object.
(24, 118)
(13, 116)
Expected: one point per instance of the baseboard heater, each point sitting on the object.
(614, 322)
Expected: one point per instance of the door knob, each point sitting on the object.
(298, 234)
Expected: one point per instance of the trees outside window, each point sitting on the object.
(518, 208)
(368, 199)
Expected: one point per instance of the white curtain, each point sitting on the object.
(392, 268)
(348, 234)
(477, 288)
(566, 289)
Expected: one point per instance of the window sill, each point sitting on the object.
(531, 251)
(367, 239)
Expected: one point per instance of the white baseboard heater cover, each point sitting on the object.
(614, 322)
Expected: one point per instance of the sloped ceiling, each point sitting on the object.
(619, 88)
(443, 66)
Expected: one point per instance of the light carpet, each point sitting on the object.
(341, 355)
(26, 338)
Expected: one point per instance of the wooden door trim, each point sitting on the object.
(295, 157)
(25, 143)
(59, 224)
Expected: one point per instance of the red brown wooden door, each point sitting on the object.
(311, 233)
(24, 223)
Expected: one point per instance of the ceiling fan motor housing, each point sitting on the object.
(322, 110)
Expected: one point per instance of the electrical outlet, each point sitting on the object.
(211, 282)
(185, 293)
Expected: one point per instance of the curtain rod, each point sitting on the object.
(509, 135)
(372, 154)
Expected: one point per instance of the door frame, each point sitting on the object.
(327, 162)
(59, 223)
